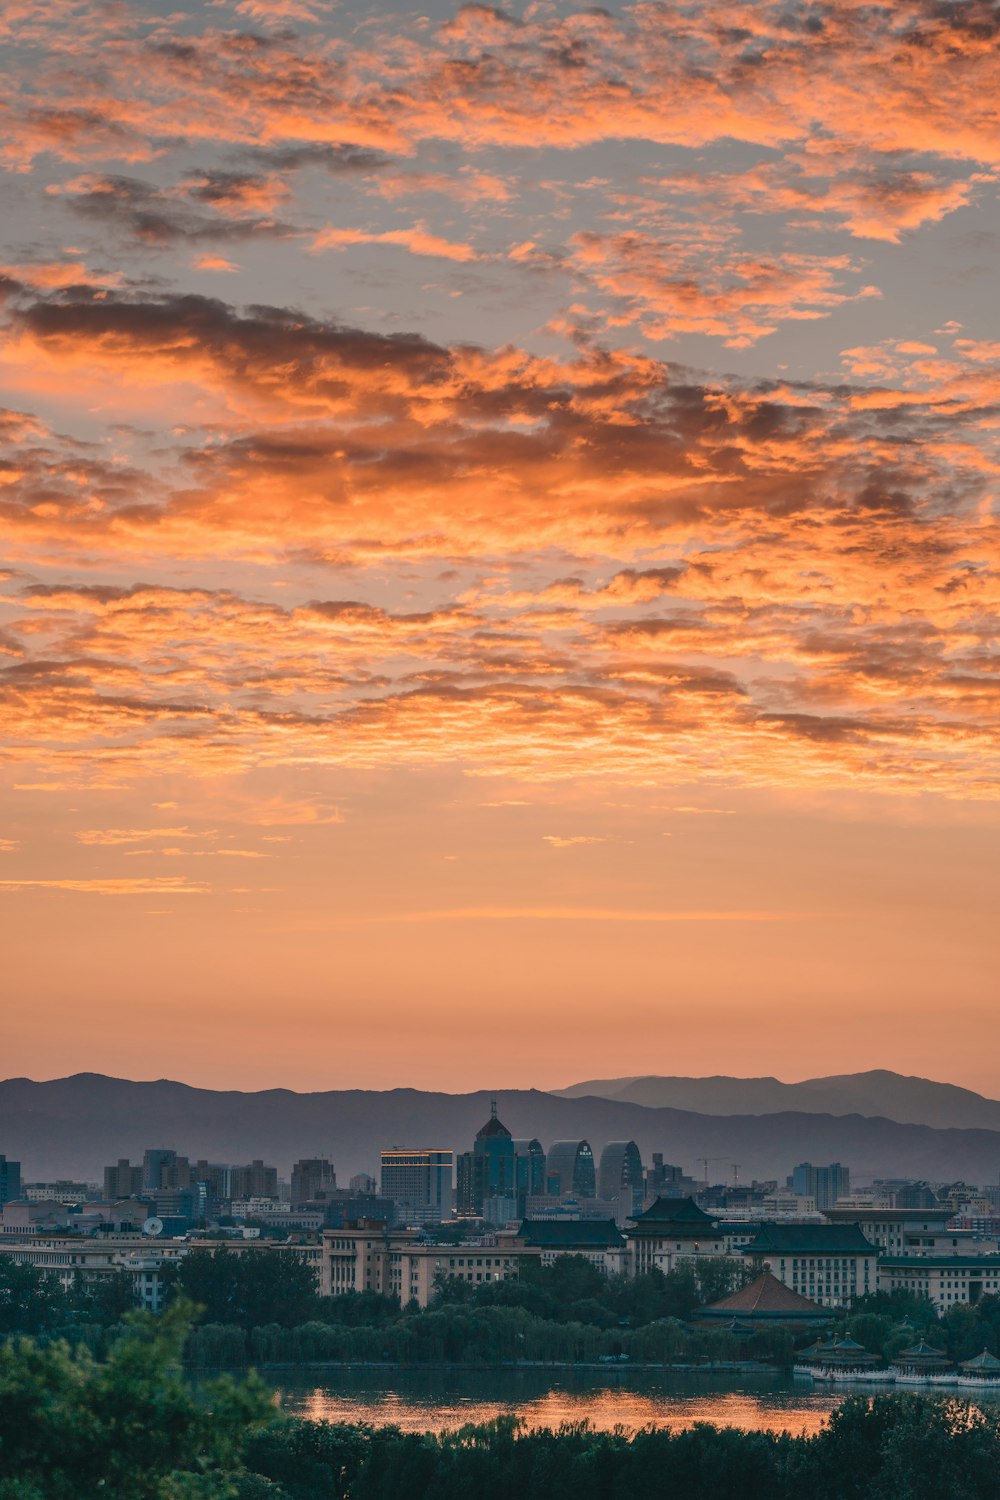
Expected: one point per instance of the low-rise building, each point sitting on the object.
(370, 1257)
(894, 1231)
(945, 1280)
(831, 1264)
(599, 1241)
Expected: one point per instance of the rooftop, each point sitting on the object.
(810, 1239)
(942, 1262)
(767, 1297)
(675, 1216)
(594, 1233)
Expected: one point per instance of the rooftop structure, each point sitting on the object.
(765, 1302)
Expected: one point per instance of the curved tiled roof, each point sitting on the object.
(594, 1233)
(767, 1296)
(676, 1216)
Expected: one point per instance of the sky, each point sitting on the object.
(499, 578)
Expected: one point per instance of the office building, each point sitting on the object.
(488, 1170)
(313, 1180)
(153, 1162)
(824, 1184)
(123, 1180)
(598, 1241)
(620, 1177)
(419, 1181)
(569, 1170)
(10, 1180)
(253, 1181)
(830, 1263)
(368, 1256)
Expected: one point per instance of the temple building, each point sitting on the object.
(764, 1303)
(672, 1230)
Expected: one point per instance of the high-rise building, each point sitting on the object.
(825, 1184)
(10, 1180)
(122, 1181)
(153, 1162)
(253, 1181)
(313, 1180)
(529, 1172)
(489, 1170)
(363, 1184)
(665, 1180)
(418, 1180)
(569, 1169)
(620, 1176)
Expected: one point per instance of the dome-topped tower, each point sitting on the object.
(494, 1126)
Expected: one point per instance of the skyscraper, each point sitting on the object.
(825, 1184)
(418, 1180)
(10, 1180)
(313, 1179)
(569, 1169)
(489, 1169)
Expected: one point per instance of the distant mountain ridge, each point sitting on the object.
(75, 1126)
(878, 1093)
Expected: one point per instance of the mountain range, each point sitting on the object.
(914, 1101)
(73, 1127)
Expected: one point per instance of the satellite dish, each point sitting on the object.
(153, 1226)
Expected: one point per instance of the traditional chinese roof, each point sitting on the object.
(922, 1354)
(594, 1234)
(809, 1239)
(680, 1218)
(846, 1353)
(985, 1363)
(766, 1299)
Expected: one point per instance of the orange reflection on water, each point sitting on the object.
(603, 1407)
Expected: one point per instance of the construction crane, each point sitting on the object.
(706, 1162)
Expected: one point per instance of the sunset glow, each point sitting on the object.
(500, 578)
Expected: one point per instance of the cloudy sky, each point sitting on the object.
(499, 569)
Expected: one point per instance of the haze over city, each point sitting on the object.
(499, 544)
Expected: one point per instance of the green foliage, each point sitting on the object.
(30, 1302)
(887, 1324)
(894, 1448)
(128, 1427)
(249, 1288)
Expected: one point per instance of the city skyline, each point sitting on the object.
(499, 541)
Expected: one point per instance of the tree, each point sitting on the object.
(251, 1288)
(30, 1301)
(127, 1429)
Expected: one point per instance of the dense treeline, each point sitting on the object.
(265, 1309)
(565, 1313)
(131, 1428)
(476, 1335)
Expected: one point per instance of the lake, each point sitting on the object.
(443, 1399)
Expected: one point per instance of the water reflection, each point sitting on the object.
(422, 1401)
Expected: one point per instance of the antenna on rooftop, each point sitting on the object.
(493, 1106)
